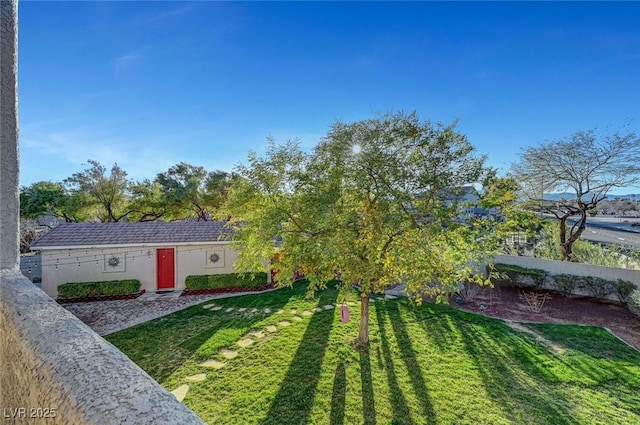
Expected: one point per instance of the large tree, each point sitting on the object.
(47, 197)
(585, 167)
(191, 191)
(109, 192)
(365, 206)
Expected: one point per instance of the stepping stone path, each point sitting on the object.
(329, 306)
(256, 334)
(317, 309)
(307, 313)
(297, 318)
(180, 392)
(242, 309)
(294, 311)
(215, 364)
(271, 328)
(208, 306)
(229, 354)
(244, 343)
(229, 309)
(196, 378)
(379, 298)
(267, 310)
(390, 297)
(279, 311)
(218, 308)
(284, 323)
(254, 310)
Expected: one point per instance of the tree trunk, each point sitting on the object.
(363, 334)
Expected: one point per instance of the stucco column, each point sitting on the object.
(9, 162)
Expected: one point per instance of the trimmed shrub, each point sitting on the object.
(633, 302)
(623, 289)
(230, 280)
(88, 289)
(566, 283)
(520, 276)
(598, 287)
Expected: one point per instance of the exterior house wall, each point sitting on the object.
(61, 266)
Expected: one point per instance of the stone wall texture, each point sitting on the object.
(51, 360)
(9, 172)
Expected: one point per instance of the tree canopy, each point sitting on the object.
(585, 166)
(366, 205)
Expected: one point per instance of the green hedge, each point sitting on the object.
(88, 289)
(231, 280)
(633, 302)
(516, 274)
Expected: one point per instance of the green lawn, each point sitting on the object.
(425, 365)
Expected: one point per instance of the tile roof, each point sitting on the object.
(154, 232)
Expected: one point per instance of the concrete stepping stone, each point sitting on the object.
(294, 311)
(256, 334)
(317, 309)
(329, 306)
(196, 378)
(214, 364)
(229, 309)
(242, 309)
(218, 308)
(244, 343)
(380, 298)
(254, 310)
(208, 306)
(307, 313)
(271, 328)
(267, 310)
(390, 297)
(280, 311)
(297, 318)
(180, 392)
(284, 323)
(229, 354)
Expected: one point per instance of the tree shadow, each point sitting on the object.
(401, 413)
(294, 400)
(368, 401)
(411, 362)
(338, 395)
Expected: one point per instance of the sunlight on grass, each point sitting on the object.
(425, 365)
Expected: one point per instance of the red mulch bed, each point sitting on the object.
(99, 298)
(225, 290)
(506, 303)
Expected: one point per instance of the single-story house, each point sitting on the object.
(159, 254)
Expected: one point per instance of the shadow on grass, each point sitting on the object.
(294, 400)
(161, 346)
(401, 413)
(408, 356)
(338, 395)
(368, 400)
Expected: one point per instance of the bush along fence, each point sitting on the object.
(231, 282)
(98, 291)
(568, 284)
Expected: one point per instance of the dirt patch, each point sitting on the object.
(506, 303)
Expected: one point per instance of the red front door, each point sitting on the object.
(166, 269)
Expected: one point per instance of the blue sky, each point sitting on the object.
(151, 84)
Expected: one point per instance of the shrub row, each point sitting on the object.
(566, 283)
(633, 302)
(231, 280)
(88, 289)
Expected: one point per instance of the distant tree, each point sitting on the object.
(585, 166)
(191, 191)
(46, 197)
(109, 193)
(147, 201)
(367, 206)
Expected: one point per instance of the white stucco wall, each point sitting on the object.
(136, 262)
